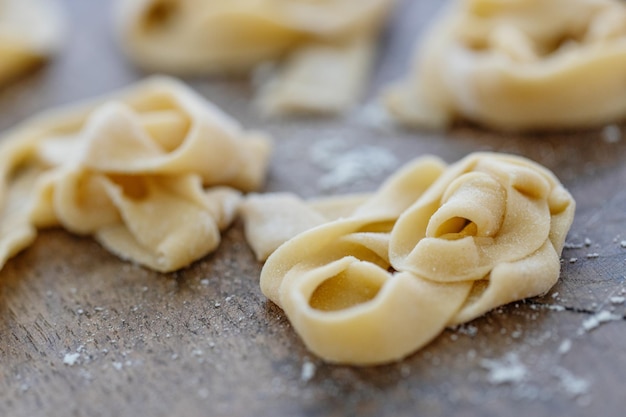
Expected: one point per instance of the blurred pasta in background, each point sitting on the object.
(325, 47)
(30, 32)
(518, 65)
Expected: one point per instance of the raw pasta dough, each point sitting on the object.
(152, 173)
(435, 246)
(30, 31)
(329, 44)
(519, 65)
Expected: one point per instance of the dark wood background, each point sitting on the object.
(204, 341)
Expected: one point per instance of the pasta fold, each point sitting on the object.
(154, 173)
(518, 65)
(435, 246)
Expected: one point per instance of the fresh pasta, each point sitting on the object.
(326, 46)
(30, 32)
(154, 173)
(518, 65)
(435, 246)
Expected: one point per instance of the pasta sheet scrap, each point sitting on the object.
(30, 32)
(154, 173)
(519, 65)
(326, 46)
(435, 246)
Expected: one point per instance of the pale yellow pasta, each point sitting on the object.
(30, 32)
(154, 173)
(501, 218)
(326, 46)
(519, 65)
(435, 246)
(272, 219)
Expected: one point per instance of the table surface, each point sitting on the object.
(204, 340)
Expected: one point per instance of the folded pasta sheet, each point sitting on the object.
(154, 173)
(435, 246)
(519, 65)
(30, 32)
(328, 45)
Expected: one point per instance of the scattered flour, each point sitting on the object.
(597, 319)
(308, 371)
(346, 166)
(611, 134)
(506, 370)
(570, 245)
(467, 329)
(71, 358)
(618, 299)
(565, 346)
(572, 384)
(373, 114)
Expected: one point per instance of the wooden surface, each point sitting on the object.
(85, 334)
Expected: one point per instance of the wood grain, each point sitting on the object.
(85, 334)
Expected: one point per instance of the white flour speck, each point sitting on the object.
(467, 330)
(571, 384)
(374, 115)
(569, 245)
(308, 371)
(565, 346)
(507, 370)
(611, 134)
(597, 319)
(618, 299)
(71, 358)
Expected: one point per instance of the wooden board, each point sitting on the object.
(85, 334)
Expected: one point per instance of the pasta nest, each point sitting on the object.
(153, 172)
(435, 246)
(519, 65)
